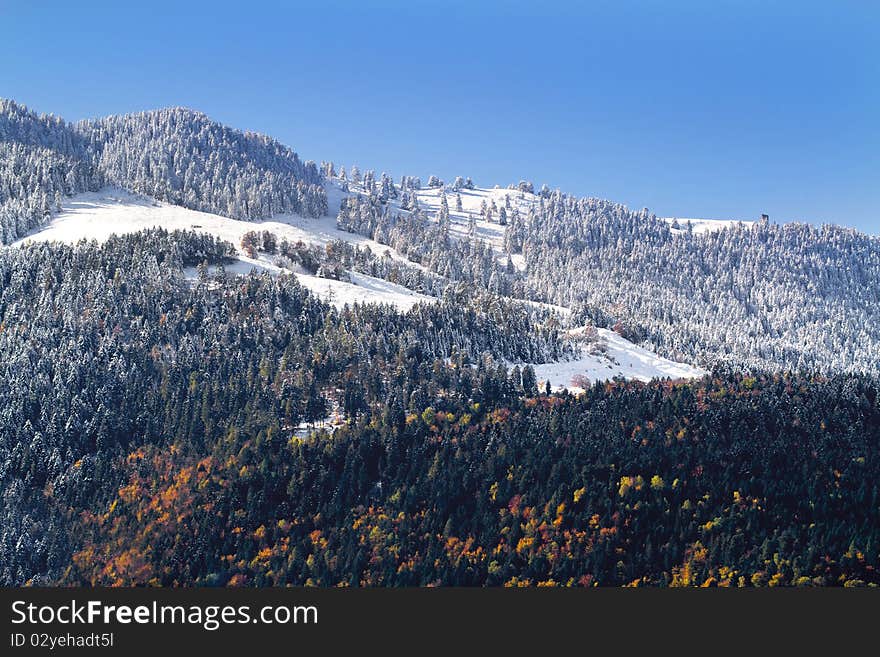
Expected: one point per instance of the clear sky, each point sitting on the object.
(716, 109)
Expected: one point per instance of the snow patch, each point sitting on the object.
(621, 358)
(701, 226)
(362, 289)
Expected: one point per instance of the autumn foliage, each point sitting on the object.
(627, 485)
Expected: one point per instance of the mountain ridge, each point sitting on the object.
(178, 155)
(757, 295)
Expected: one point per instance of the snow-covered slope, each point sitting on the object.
(472, 200)
(98, 215)
(362, 289)
(703, 225)
(620, 358)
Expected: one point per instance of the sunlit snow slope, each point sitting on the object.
(98, 215)
(621, 358)
(700, 226)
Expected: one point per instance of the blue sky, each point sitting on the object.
(706, 109)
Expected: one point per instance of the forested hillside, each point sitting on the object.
(189, 393)
(42, 159)
(156, 429)
(778, 298)
(725, 482)
(110, 347)
(790, 297)
(181, 156)
(174, 155)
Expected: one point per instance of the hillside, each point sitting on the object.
(742, 294)
(700, 291)
(222, 365)
(176, 155)
(719, 483)
(113, 211)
